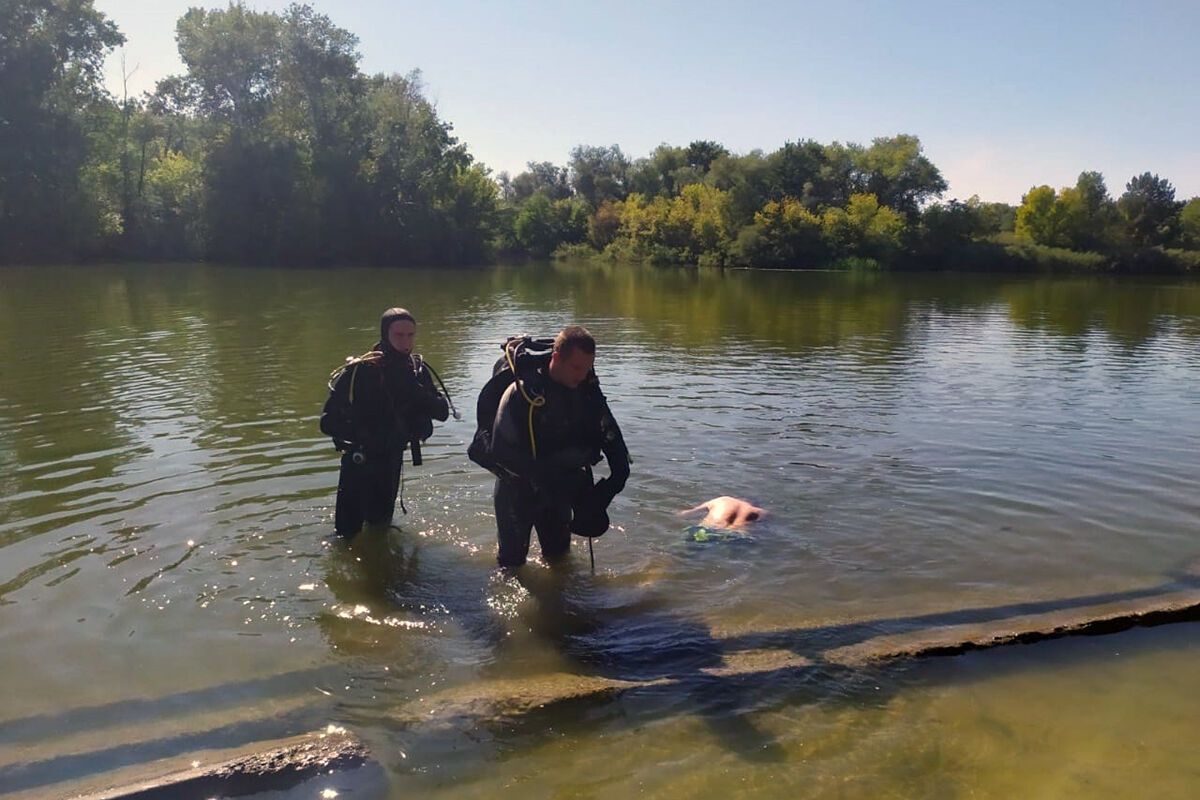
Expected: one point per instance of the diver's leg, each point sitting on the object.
(348, 513)
(514, 519)
(382, 483)
(553, 523)
(555, 509)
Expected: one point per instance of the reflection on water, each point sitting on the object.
(926, 443)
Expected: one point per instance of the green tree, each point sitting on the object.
(51, 54)
(687, 229)
(319, 105)
(173, 211)
(747, 180)
(1189, 224)
(258, 202)
(544, 177)
(1038, 216)
(863, 229)
(701, 153)
(992, 218)
(232, 57)
(599, 173)
(172, 103)
(657, 174)
(469, 218)
(604, 225)
(799, 170)
(543, 224)
(784, 234)
(412, 164)
(1149, 209)
(948, 226)
(1086, 213)
(898, 174)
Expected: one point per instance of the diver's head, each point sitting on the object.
(573, 357)
(397, 329)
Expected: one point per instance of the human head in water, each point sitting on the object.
(573, 357)
(397, 329)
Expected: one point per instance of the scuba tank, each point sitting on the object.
(523, 357)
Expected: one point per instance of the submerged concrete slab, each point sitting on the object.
(1180, 606)
(502, 698)
(258, 767)
(511, 698)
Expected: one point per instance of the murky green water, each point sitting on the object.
(926, 443)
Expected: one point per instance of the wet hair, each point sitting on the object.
(572, 338)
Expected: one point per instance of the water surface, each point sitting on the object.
(925, 443)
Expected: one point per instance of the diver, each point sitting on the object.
(551, 425)
(379, 405)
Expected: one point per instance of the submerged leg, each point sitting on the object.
(348, 513)
(382, 483)
(514, 502)
(553, 522)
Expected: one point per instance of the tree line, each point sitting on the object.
(274, 147)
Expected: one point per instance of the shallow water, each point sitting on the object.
(925, 443)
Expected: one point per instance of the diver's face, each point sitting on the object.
(571, 369)
(401, 334)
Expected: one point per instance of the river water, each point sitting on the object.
(925, 443)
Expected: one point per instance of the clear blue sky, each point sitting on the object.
(1004, 96)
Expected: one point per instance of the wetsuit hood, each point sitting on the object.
(385, 322)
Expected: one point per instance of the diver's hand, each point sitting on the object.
(603, 492)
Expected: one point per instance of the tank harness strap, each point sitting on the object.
(371, 356)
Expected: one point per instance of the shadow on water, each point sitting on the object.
(26, 733)
(672, 662)
(607, 630)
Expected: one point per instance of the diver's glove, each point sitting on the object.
(589, 514)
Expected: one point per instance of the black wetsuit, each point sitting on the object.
(377, 408)
(570, 430)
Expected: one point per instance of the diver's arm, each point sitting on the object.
(432, 401)
(612, 444)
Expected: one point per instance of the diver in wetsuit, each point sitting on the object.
(379, 405)
(551, 426)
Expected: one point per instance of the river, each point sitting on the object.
(924, 443)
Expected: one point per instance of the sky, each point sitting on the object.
(1003, 96)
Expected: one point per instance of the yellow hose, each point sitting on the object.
(534, 402)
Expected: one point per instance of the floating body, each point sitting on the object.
(727, 512)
